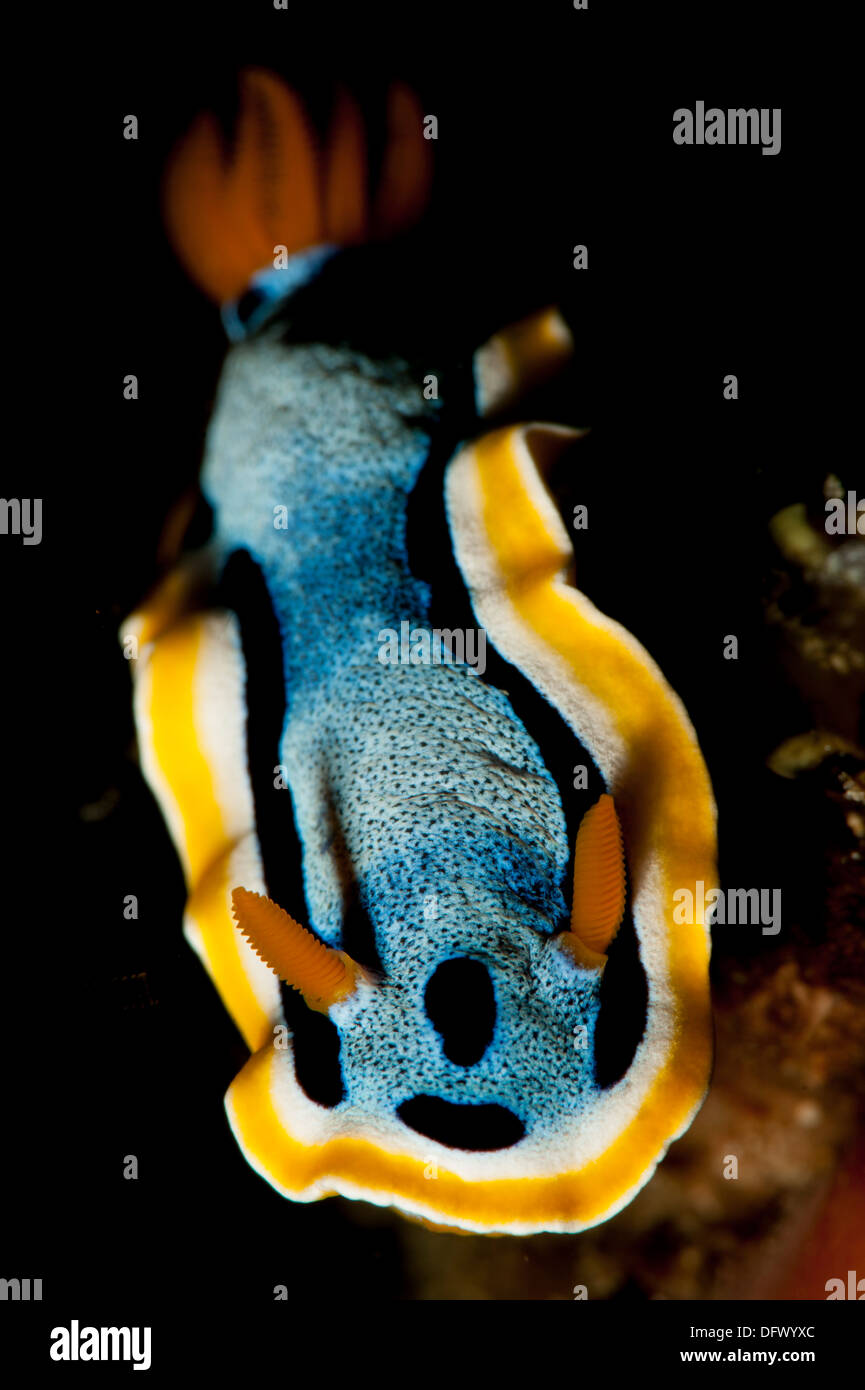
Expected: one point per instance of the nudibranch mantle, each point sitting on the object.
(420, 795)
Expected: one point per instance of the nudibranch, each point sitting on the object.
(423, 1014)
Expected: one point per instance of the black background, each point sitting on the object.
(555, 128)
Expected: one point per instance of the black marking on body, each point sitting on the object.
(479, 1128)
(624, 991)
(624, 1002)
(461, 1005)
(315, 1038)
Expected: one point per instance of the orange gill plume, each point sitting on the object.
(599, 885)
(229, 206)
(406, 175)
(321, 974)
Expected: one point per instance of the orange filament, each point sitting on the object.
(407, 168)
(322, 975)
(345, 192)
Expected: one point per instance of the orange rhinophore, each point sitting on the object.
(599, 877)
(322, 975)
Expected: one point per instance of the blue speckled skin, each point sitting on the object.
(422, 777)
